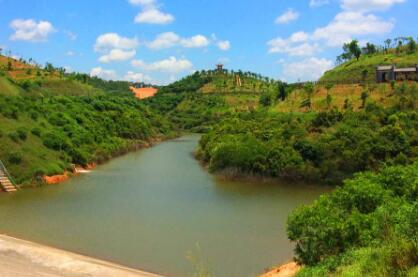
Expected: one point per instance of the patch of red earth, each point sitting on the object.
(143, 93)
(286, 270)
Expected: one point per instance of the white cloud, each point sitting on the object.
(171, 65)
(289, 16)
(30, 30)
(347, 25)
(137, 77)
(71, 35)
(307, 70)
(224, 45)
(197, 41)
(296, 45)
(154, 16)
(150, 13)
(318, 3)
(142, 2)
(103, 73)
(170, 39)
(109, 41)
(164, 40)
(70, 53)
(115, 48)
(368, 5)
(117, 55)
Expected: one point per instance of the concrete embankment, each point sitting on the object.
(20, 258)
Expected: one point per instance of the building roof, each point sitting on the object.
(143, 93)
(408, 69)
(384, 67)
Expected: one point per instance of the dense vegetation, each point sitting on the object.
(328, 146)
(368, 227)
(51, 133)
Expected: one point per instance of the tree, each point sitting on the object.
(9, 65)
(328, 87)
(364, 74)
(371, 48)
(388, 43)
(309, 90)
(412, 45)
(364, 96)
(355, 49)
(282, 91)
(351, 50)
(265, 100)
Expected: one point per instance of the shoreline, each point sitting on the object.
(289, 269)
(22, 258)
(78, 169)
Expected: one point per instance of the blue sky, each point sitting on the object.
(162, 40)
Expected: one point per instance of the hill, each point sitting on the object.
(364, 69)
(50, 120)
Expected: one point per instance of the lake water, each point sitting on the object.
(158, 210)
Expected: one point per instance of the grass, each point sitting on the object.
(36, 155)
(352, 70)
(381, 94)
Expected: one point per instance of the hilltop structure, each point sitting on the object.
(388, 73)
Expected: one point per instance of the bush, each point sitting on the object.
(36, 131)
(15, 158)
(22, 134)
(14, 136)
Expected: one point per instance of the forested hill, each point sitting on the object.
(357, 64)
(222, 81)
(50, 120)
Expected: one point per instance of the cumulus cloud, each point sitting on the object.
(307, 70)
(150, 13)
(224, 45)
(154, 16)
(115, 48)
(31, 30)
(296, 45)
(137, 77)
(354, 21)
(287, 17)
(113, 40)
(103, 73)
(170, 39)
(117, 55)
(318, 3)
(368, 5)
(171, 65)
(347, 25)
(197, 41)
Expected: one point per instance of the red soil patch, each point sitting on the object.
(286, 270)
(143, 93)
(56, 179)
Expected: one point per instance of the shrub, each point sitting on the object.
(22, 133)
(36, 131)
(15, 158)
(14, 136)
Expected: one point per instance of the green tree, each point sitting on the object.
(412, 45)
(364, 96)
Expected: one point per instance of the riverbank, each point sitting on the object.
(20, 258)
(286, 270)
(78, 169)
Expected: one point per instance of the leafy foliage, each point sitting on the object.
(367, 227)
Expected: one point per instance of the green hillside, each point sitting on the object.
(364, 69)
(50, 121)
